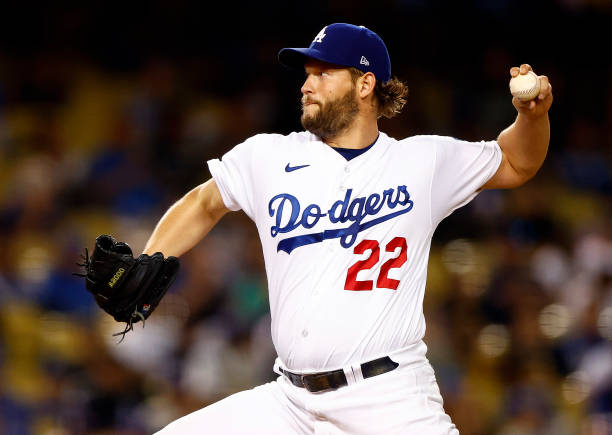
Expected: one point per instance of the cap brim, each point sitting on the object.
(295, 58)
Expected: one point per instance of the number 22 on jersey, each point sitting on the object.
(383, 281)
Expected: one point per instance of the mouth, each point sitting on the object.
(306, 105)
(308, 102)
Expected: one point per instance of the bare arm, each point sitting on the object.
(187, 221)
(524, 144)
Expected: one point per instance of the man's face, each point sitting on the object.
(329, 101)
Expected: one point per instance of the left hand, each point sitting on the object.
(539, 105)
(128, 289)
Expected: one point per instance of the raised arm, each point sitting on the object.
(524, 143)
(187, 221)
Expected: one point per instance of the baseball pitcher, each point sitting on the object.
(346, 216)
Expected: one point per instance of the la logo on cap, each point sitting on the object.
(320, 35)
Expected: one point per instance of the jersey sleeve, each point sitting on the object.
(460, 169)
(233, 174)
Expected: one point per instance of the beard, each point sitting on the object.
(333, 117)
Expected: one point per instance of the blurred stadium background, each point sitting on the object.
(108, 113)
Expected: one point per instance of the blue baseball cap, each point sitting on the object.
(346, 45)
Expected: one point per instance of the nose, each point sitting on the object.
(307, 86)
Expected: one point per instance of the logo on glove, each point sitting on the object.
(116, 277)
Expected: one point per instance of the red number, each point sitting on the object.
(351, 277)
(383, 280)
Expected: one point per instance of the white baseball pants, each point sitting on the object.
(404, 401)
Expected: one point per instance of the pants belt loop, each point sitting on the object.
(277, 367)
(357, 371)
(350, 375)
(353, 373)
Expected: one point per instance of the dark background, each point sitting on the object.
(108, 113)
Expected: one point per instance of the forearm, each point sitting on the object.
(187, 221)
(525, 143)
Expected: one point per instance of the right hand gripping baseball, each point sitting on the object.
(538, 106)
(126, 288)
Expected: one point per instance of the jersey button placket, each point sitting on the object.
(344, 181)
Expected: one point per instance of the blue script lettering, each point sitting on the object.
(341, 211)
(313, 211)
(295, 212)
(372, 202)
(341, 203)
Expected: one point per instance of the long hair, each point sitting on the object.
(390, 95)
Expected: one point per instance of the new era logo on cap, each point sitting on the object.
(346, 45)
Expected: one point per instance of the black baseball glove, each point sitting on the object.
(127, 288)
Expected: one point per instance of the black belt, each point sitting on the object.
(336, 378)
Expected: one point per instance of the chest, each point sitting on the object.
(308, 198)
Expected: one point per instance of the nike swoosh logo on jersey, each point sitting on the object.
(294, 168)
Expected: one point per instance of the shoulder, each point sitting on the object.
(436, 147)
(417, 143)
(428, 139)
(263, 139)
(444, 142)
(267, 142)
(414, 140)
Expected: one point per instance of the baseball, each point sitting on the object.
(525, 87)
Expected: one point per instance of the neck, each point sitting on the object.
(358, 135)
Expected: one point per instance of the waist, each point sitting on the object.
(332, 380)
(413, 355)
(378, 325)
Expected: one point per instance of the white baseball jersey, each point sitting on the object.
(346, 243)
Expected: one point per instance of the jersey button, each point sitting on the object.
(347, 169)
(304, 333)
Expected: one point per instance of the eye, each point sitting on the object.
(318, 73)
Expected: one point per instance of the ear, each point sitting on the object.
(366, 84)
